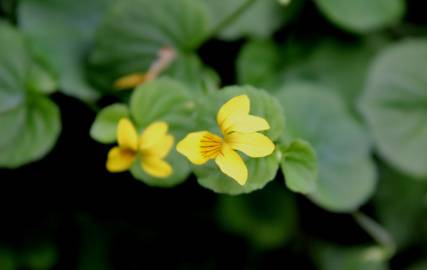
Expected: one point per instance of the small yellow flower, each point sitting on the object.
(153, 145)
(239, 129)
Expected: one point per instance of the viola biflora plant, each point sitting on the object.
(310, 113)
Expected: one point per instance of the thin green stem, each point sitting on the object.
(377, 232)
(231, 18)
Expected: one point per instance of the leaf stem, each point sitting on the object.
(231, 18)
(377, 232)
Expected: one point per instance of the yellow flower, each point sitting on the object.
(239, 130)
(153, 145)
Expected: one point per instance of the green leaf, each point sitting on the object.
(395, 106)
(261, 170)
(41, 256)
(328, 63)
(104, 128)
(29, 122)
(362, 16)
(61, 32)
(401, 207)
(265, 55)
(418, 266)
(267, 218)
(134, 31)
(36, 137)
(14, 63)
(269, 14)
(299, 165)
(190, 70)
(164, 100)
(41, 80)
(347, 175)
(329, 257)
(7, 261)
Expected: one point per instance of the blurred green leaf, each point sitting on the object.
(347, 175)
(164, 100)
(14, 63)
(267, 218)
(299, 166)
(269, 14)
(400, 204)
(395, 106)
(190, 70)
(30, 122)
(104, 128)
(134, 31)
(7, 261)
(362, 16)
(261, 170)
(39, 257)
(258, 63)
(41, 79)
(418, 266)
(329, 257)
(62, 32)
(36, 137)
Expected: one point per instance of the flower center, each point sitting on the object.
(210, 145)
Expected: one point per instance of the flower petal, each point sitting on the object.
(161, 149)
(151, 136)
(156, 167)
(234, 108)
(130, 81)
(200, 146)
(232, 164)
(119, 159)
(248, 123)
(252, 144)
(126, 134)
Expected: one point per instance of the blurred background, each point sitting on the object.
(61, 209)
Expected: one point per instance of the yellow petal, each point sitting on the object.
(152, 135)
(126, 135)
(236, 107)
(119, 159)
(252, 144)
(156, 167)
(248, 123)
(200, 146)
(161, 149)
(130, 81)
(232, 164)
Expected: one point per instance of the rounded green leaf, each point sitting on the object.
(362, 15)
(401, 207)
(266, 56)
(395, 106)
(330, 257)
(14, 65)
(261, 170)
(267, 218)
(164, 100)
(104, 129)
(41, 79)
(347, 175)
(134, 31)
(61, 32)
(36, 137)
(24, 115)
(269, 14)
(299, 165)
